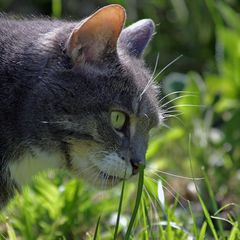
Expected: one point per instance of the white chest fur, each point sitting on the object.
(32, 163)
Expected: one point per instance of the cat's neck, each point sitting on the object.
(33, 162)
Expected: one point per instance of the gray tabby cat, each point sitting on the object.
(74, 95)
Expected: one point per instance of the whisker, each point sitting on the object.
(169, 191)
(96, 177)
(103, 181)
(174, 175)
(106, 176)
(176, 92)
(185, 105)
(154, 209)
(167, 115)
(88, 168)
(172, 189)
(113, 179)
(171, 111)
(165, 125)
(56, 122)
(155, 67)
(145, 197)
(155, 197)
(151, 212)
(151, 79)
(176, 98)
(175, 116)
(168, 65)
(107, 179)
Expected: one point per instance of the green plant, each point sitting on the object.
(202, 101)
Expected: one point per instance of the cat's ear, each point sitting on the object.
(96, 34)
(136, 37)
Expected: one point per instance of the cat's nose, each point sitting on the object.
(135, 165)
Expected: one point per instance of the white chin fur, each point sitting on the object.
(114, 166)
(104, 170)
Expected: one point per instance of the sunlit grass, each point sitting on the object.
(58, 207)
(53, 208)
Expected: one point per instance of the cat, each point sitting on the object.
(76, 95)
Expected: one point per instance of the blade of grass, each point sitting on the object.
(203, 231)
(223, 220)
(169, 230)
(96, 229)
(205, 210)
(145, 219)
(195, 229)
(226, 206)
(234, 232)
(119, 211)
(207, 215)
(214, 203)
(148, 220)
(162, 235)
(137, 202)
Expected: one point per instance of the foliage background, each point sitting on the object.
(207, 34)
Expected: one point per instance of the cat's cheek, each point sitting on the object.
(91, 162)
(83, 155)
(113, 165)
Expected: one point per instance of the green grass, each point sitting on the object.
(166, 206)
(56, 208)
(137, 202)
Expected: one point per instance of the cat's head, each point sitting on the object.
(101, 109)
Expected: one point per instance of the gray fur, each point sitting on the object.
(45, 99)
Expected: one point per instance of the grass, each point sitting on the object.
(137, 203)
(160, 206)
(56, 208)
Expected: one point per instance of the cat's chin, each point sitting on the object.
(110, 181)
(106, 184)
(104, 181)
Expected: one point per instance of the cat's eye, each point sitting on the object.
(118, 119)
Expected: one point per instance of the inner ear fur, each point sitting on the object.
(89, 40)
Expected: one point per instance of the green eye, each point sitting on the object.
(118, 119)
